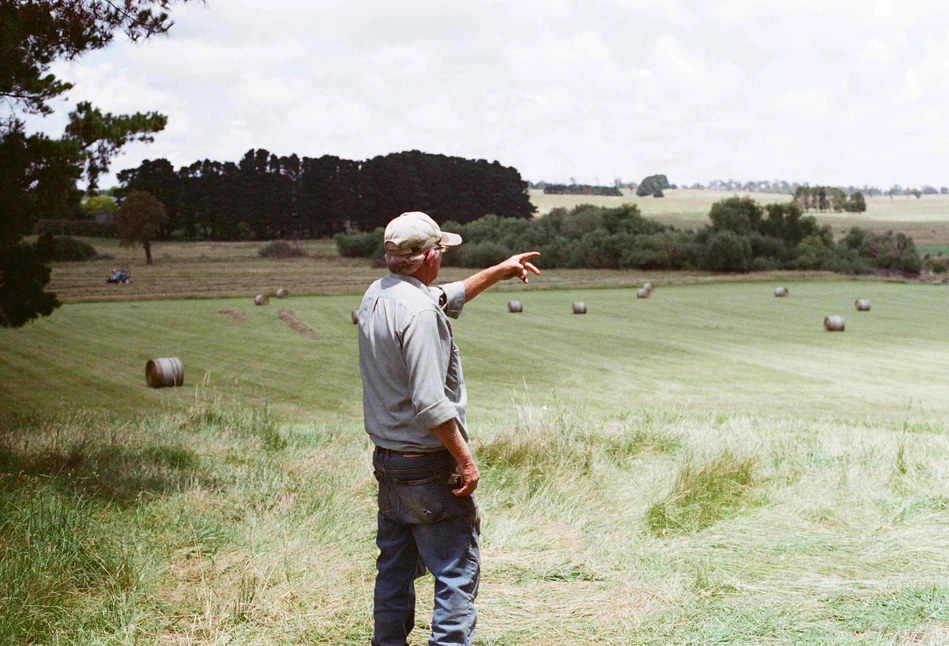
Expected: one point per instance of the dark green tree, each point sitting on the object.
(651, 184)
(856, 203)
(38, 175)
(740, 215)
(139, 222)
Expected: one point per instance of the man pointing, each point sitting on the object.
(414, 402)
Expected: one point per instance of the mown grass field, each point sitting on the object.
(707, 466)
(926, 218)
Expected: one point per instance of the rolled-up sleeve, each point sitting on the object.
(426, 350)
(452, 298)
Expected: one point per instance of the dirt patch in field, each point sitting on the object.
(290, 318)
(240, 317)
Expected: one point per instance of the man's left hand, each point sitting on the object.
(519, 265)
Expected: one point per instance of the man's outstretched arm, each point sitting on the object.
(517, 266)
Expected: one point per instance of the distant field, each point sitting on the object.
(712, 347)
(926, 219)
(222, 269)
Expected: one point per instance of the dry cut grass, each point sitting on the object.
(223, 524)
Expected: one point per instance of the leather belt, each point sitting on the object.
(390, 452)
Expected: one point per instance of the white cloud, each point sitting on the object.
(811, 102)
(911, 90)
(557, 89)
(678, 59)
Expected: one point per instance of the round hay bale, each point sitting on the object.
(643, 293)
(834, 323)
(648, 286)
(355, 317)
(283, 293)
(862, 304)
(781, 292)
(514, 307)
(260, 299)
(164, 372)
(579, 307)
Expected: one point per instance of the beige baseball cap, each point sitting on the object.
(414, 232)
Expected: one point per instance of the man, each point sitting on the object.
(414, 403)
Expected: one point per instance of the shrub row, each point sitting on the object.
(71, 250)
(743, 237)
(281, 249)
(87, 228)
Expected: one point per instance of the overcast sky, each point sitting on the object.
(821, 91)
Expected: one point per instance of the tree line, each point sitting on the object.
(581, 189)
(743, 236)
(265, 196)
(828, 198)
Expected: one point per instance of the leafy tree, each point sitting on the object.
(738, 214)
(99, 205)
(140, 219)
(38, 175)
(856, 203)
(728, 251)
(651, 184)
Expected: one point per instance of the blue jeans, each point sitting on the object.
(423, 525)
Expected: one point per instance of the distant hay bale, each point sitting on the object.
(164, 372)
(781, 292)
(834, 323)
(260, 299)
(282, 293)
(648, 286)
(355, 317)
(862, 304)
(579, 307)
(643, 293)
(514, 307)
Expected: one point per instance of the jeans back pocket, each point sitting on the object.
(421, 500)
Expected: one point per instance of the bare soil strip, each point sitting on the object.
(290, 318)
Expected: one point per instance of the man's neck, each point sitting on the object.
(425, 275)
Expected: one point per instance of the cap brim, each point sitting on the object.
(450, 239)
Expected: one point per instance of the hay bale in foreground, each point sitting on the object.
(514, 307)
(643, 293)
(834, 323)
(862, 304)
(781, 292)
(260, 299)
(283, 293)
(164, 372)
(355, 317)
(579, 307)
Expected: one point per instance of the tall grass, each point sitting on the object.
(705, 493)
(229, 524)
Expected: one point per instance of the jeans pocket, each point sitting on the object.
(421, 501)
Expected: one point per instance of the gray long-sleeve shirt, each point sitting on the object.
(411, 369)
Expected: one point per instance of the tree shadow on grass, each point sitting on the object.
(116, 474)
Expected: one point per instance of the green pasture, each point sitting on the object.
(706, 466)
(721, 347)
(925, 219)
